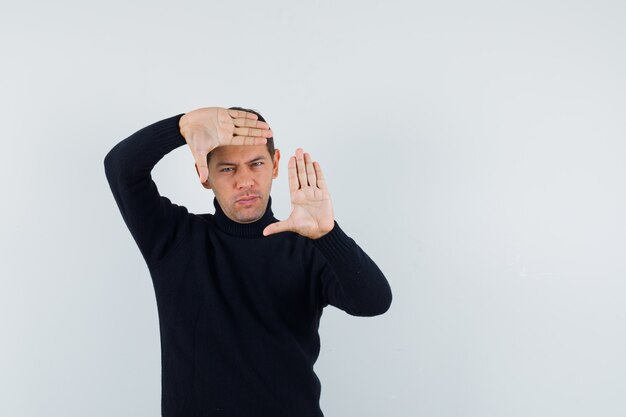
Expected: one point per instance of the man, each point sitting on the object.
(239, 293)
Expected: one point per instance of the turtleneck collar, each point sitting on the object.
(254, 229)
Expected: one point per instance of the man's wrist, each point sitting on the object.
(182, 122)
(324, 233)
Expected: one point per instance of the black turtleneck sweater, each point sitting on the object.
(239, 312)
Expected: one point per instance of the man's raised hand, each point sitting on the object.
(207, 128)
(311, 207)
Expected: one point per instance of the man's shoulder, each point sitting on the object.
(206, 217)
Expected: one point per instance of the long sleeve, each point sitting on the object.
(350, 280)
(155, 223)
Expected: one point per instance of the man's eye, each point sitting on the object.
(260, 163)
(224, 169)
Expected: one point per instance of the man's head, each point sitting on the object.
(237, 172)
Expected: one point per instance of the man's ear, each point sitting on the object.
(205, 184)
(276, 159)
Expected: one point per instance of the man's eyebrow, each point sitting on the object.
(258, 158)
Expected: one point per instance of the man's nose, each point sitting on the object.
(244, 179)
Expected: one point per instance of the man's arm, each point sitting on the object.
(154, 221)
(350, 281)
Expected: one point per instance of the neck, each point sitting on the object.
(252, 229)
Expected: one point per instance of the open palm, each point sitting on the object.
(312, 209)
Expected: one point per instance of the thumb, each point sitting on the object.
(201, 167)
(281, 226)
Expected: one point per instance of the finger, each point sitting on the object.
(281, 226)
(250, 123)
(293, 175)
(246, 131)
(300, 167)
(310, 171)
(240, 114)
(321, 181)
(247, 140)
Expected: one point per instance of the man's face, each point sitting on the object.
(241, 179)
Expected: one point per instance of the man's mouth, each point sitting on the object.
(247, 200)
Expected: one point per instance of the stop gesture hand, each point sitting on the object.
(312, 210)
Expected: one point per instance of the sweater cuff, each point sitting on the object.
(167, 134)
(335, 244)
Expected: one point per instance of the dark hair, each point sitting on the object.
(270, 140)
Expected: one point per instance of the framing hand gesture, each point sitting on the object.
(207, 128)
(311, 207)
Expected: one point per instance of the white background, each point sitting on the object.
(475, 150)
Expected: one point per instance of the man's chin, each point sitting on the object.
(248, 215)
(248, 219)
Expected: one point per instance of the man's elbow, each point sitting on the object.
(383, 306)
(108, 163)
(379, 304)
(111, 164)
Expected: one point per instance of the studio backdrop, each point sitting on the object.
(475, 150)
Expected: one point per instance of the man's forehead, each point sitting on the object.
(238, 154)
